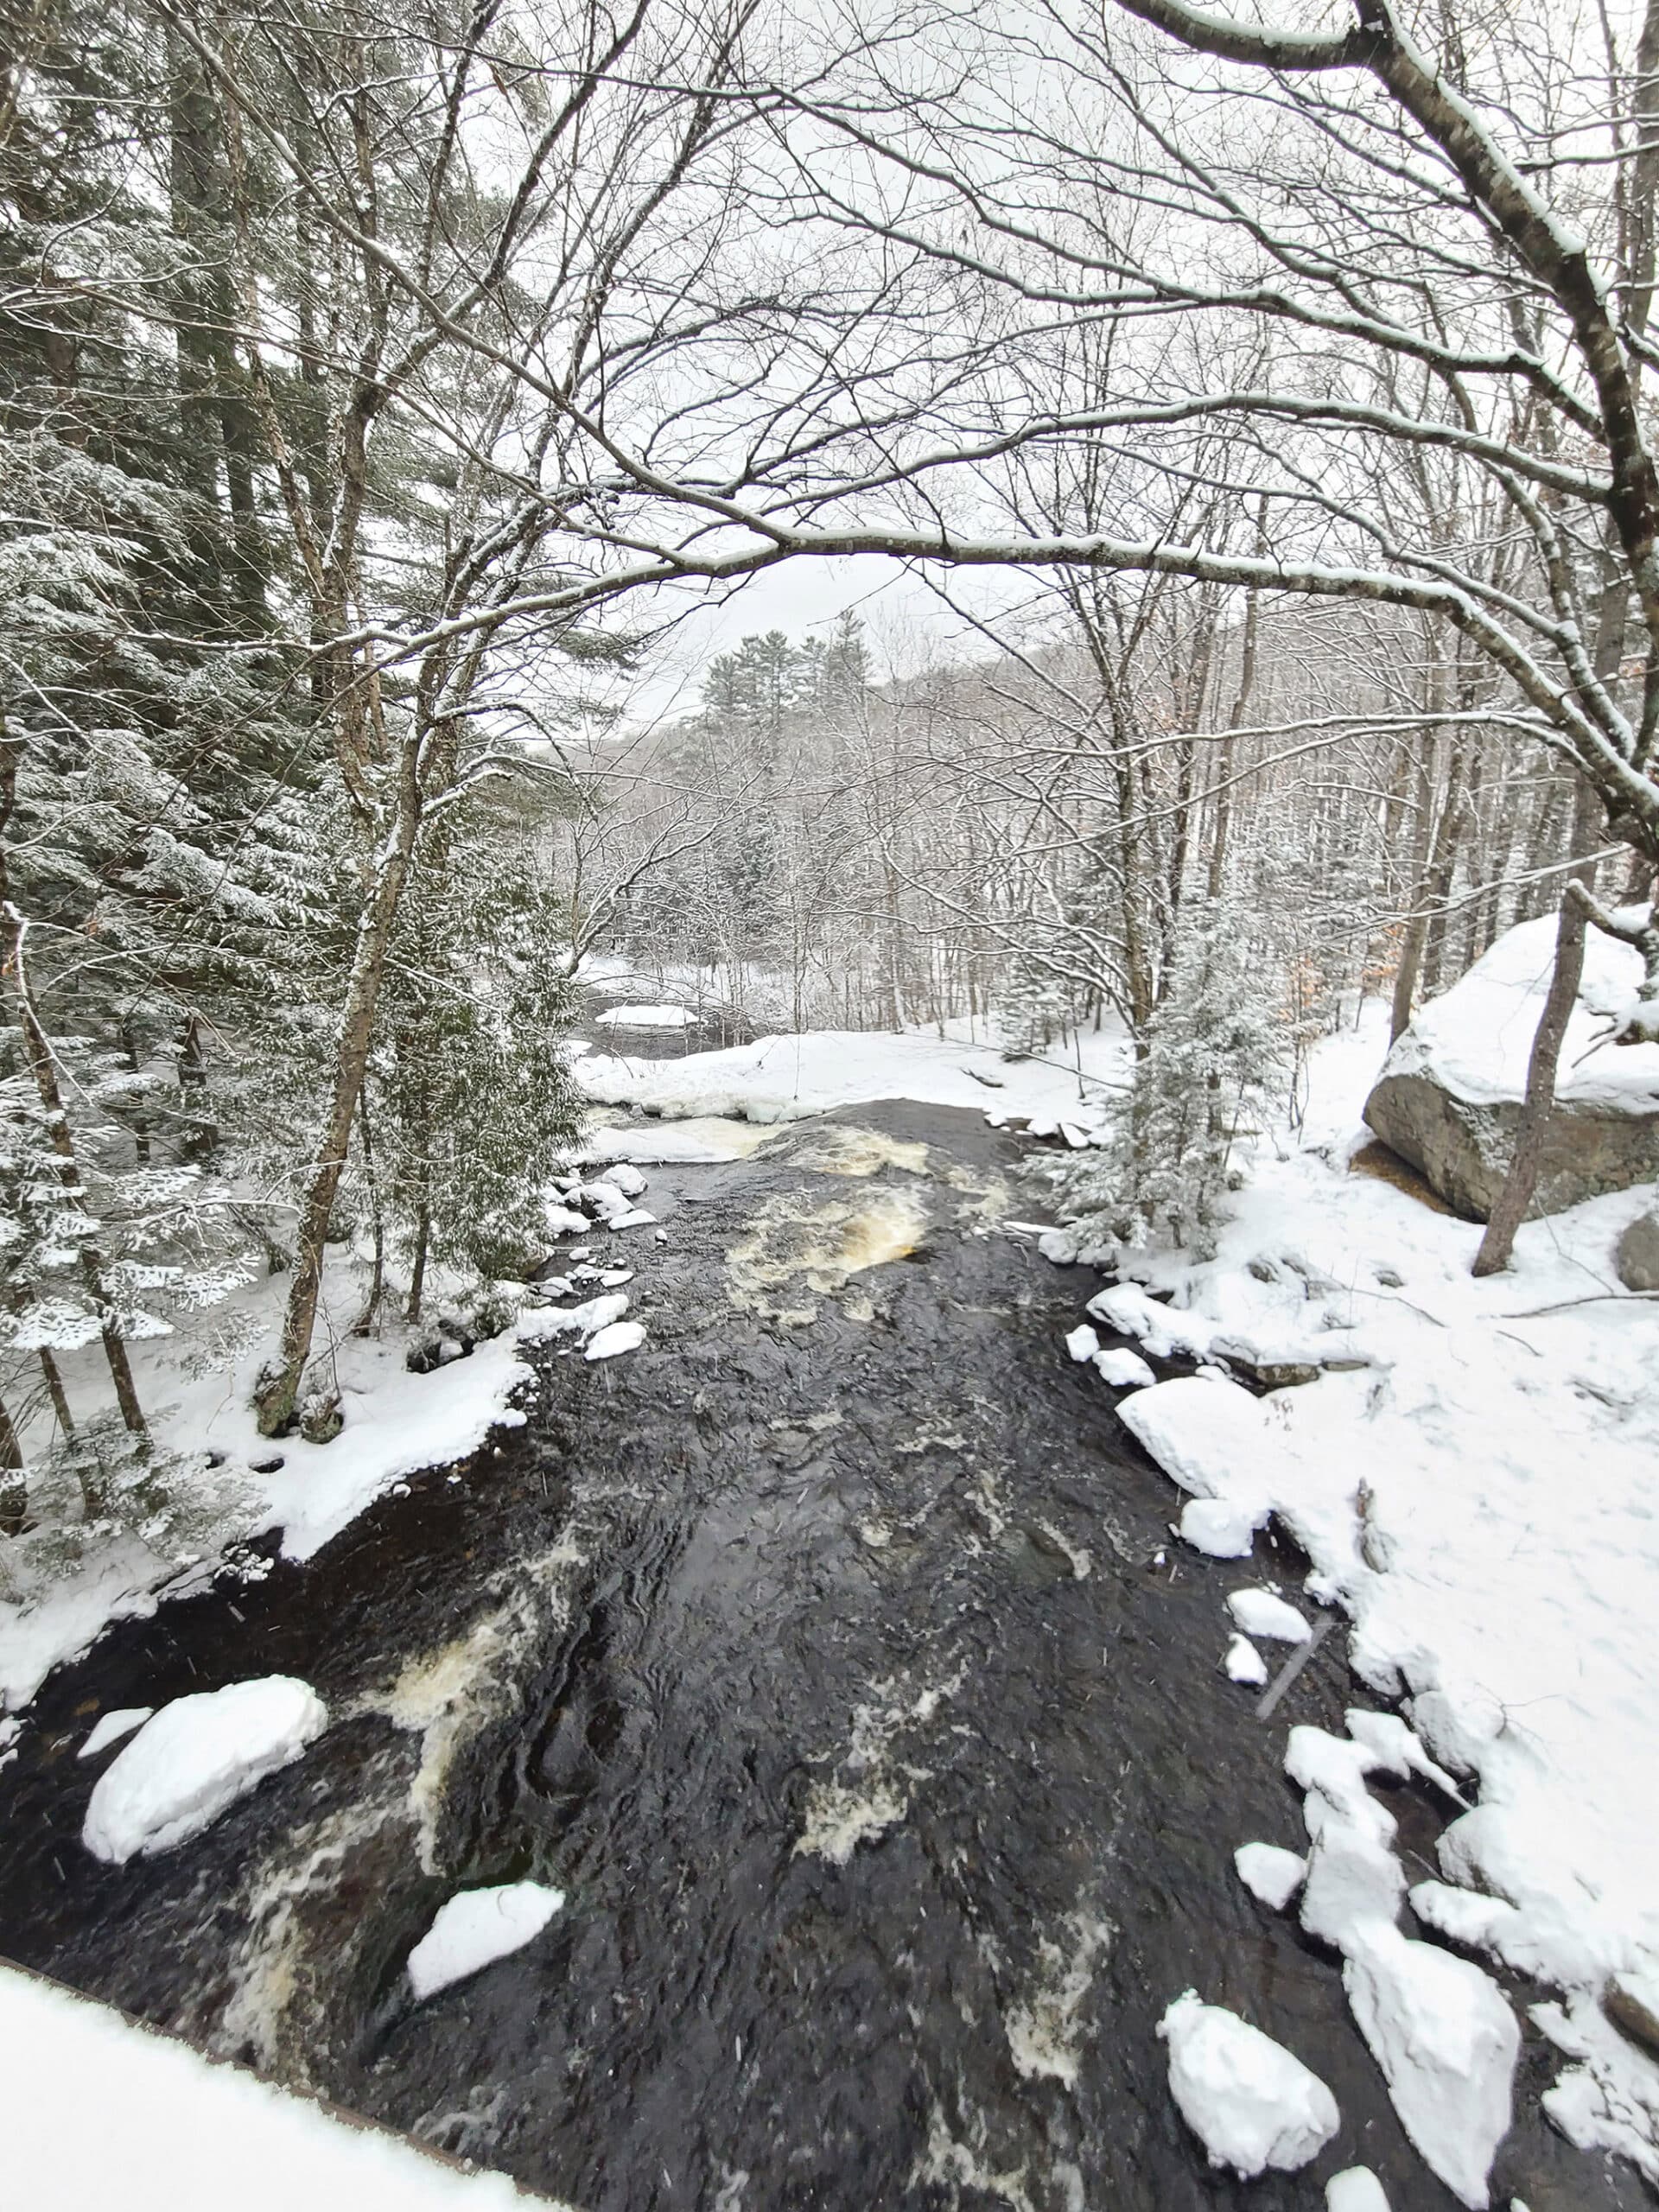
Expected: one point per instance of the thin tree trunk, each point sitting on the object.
(279, 1388)
(1521, 1183)
(57, 1395)
(13, 1487)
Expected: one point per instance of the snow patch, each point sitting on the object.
(1270, 1872)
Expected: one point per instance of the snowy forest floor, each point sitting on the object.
(1469, 1474)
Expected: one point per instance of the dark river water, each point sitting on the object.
(818, 1651)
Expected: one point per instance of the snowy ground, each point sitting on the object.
(156, 2128)
(1477, 1492)
(784, 1079)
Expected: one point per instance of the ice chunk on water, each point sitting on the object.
(112, 1727)
(477, 1927)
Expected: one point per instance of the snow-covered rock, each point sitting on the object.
(1449, 1098)
(631, 1217)
(110, 1727)
(1253, 2106)
(626, 1178)
(1206, 1433)
(618, 1337)
(1220, 1529)
(1258, 1613)
(1356, 2189)
(195, 1757)
(565, 1220)
(1446, 2040)
(1270, 1872)
(1082, 1343)
(476, 1928)
(1123, 1369)
(1243, 1662)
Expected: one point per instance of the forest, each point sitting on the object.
(1108, 537)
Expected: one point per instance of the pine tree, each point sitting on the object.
(1213, 1049)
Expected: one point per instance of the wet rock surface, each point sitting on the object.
(823, 1663)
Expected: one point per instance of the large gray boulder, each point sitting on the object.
(1449, 1098)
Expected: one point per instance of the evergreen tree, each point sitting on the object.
(1213, 1050)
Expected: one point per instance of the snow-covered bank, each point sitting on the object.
(397, 1423)
(784, 1079)
(101, 2112)
(1475, 1488)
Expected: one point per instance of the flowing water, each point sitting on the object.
(822, 1653)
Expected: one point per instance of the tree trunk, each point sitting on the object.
(14, 1488)
(279, 1388)
(57, 1395)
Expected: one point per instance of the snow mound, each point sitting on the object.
(1250, 2103)
(194, 1758)
(1270, 1872)
(476, 1928)
(112, 1727)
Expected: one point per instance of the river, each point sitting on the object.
(831, 1654)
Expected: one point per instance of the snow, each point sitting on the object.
(644, 1017)
(1251, 2104)
(1244, 1663)
(1476, 1038)
(1356, 2189)
(112, 1727)
(1446, 2042)
(1082, 1344)
(1270, 1872)
(618, 1336)
(1218, 1528)
(703, 1139)
(784, 1079)
(1258, 1613)
(626, 1178)
(195, 1757)
(1477, 1498)
(476, 1928)
(156, 2128)
(1123, 1369)
(631, 1217)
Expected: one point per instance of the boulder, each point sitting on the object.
(1636, 1261)
(1450, 1096)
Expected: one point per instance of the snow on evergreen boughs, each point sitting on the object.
(1211, 1053)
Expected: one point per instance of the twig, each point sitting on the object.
(1596, 1298)
(1292, 1666)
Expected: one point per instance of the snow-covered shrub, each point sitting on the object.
(105, 1486)
(1211, 1056)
